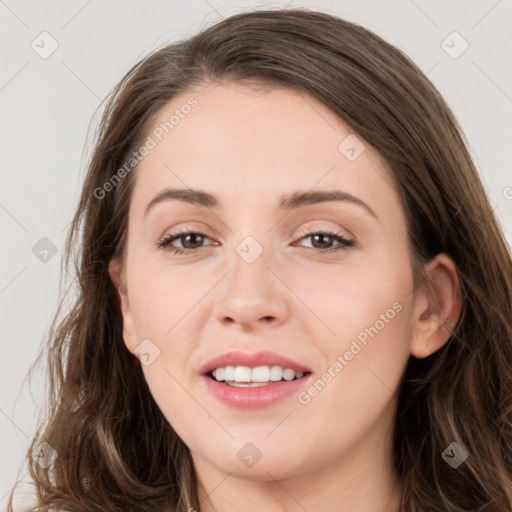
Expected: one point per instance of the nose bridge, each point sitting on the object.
(250, 276)
(251, 292)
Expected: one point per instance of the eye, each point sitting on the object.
(321, 239)
(188, 238)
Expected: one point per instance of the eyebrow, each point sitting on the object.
(287, 202)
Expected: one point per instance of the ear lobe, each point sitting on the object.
(129, 333)
(437, 308)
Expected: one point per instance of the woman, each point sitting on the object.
(293, 292)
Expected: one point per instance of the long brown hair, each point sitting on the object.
(116, 451)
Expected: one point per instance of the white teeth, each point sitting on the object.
(260, 374)
(229, 373)
(233, 375)
(276, 373)
(242, 374)
(288, 374)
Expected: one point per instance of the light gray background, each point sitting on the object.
(47, 105)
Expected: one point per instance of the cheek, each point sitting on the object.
(367, 356)
(161, 314)
(361, 301)
(162, 302)
(162, 297)
(367, 309)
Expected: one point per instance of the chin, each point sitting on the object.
(257, 461)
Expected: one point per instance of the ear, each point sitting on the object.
(129, 333)
(437, 308)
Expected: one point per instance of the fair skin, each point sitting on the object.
(248, 147)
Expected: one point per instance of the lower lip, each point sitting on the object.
(253, 397)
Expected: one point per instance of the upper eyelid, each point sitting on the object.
(191, 228)
(321, 229)
(306, 231)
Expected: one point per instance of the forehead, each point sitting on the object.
(254, 141)
(243, 116)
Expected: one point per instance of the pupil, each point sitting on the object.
(191, 235)
(320, 236)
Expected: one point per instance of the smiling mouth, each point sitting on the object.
(246, 377)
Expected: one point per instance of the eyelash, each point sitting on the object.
(345, 243)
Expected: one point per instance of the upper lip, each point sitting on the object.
(252, 360)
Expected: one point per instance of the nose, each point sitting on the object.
(252, 296)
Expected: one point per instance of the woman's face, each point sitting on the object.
(282, 267)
